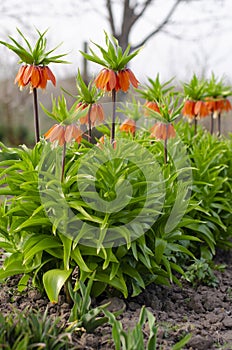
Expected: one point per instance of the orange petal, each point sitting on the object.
(43, 77)
(132, 78)
(27, 74)
(188, 109)
(72, 132)
(102, 79)
(200, 109)
(160, 131)
(151, 105)
(50, 75)
(35, 77)
(60, 135)
(19, 76)
(128, 125)
(84, 119)
(171, 131)
(123, 79)
(228, 105)
(163, 131)
(211, 105)
(68, 135)
(225, 105)
(78, 139)
(100, 113)
(57, 134)
(112, 80)
(77, 134)
(48, 134)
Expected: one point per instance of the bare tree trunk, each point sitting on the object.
(132, 12)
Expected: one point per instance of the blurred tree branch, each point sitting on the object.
(132, 12)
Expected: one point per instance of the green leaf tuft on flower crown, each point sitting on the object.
(113, 57)
(37, 55)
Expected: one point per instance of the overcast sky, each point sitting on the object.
(204, 26)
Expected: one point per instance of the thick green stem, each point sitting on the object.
(63, 162)
(113, 116)
(36, 115)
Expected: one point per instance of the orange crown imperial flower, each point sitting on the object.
(64, 134)
(88, 97)
(151, 105)
(108, 80)
(96, 113)
(217, 96)
(188, 109)
(224, 105)
(115, 75)
(34, 71)
(36, 76)
(196, 109)
(163, 131)
(65, 130)
(201, 109)
(128, 126)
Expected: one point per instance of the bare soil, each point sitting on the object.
(205, 312)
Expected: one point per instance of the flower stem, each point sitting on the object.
(63, 162)
(166, 146)
(195, 125)
(219, 124)
(36, 115)
(113, 116)
(89, 124)
(212, 124)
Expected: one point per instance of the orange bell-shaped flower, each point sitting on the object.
(128, 126)
(163, 131)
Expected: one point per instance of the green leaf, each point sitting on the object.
(160, 246)
(33, 222)
(22, 284)
(182, 342)
(53, 281)
(46, 243)
(76, 255)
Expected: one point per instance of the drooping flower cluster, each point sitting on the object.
(218, 106)
(217, 97)
(129, 126)
(206, 98)
(35, 71)
(195, 109)
(115, 75)
(163, 131)
(201, 109)
(88, 98)
(95, 112)
(35, 76)
(64, 134)
(66, 130)
(109, 80)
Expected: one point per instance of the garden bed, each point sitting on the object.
(203, 311)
